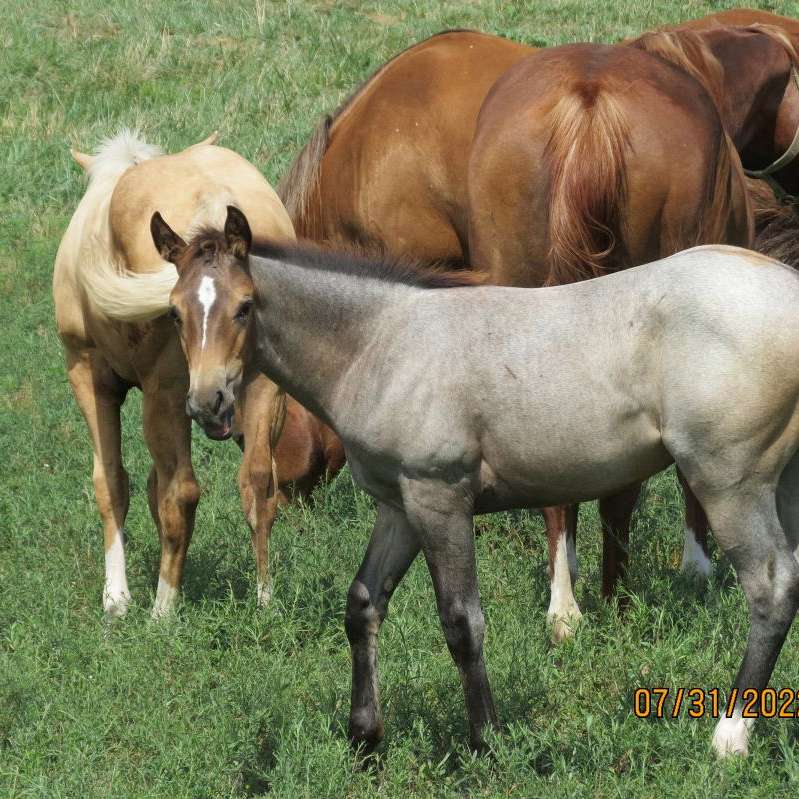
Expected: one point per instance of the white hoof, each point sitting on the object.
(165, 599)
(695, 563)
(564, 624)
(731, 736)
(264, 593)
(115, 603)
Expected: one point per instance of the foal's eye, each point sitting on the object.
(174, 316)
(243, 311)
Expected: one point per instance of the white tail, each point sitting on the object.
(126, 296)
(116, 153)
(114, 292)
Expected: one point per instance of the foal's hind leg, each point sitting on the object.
(748, 529)
(563, 613)
(262, 411)
(695, 558)
(442, 515)
(392, 548)
(172, 489)
(100, 394)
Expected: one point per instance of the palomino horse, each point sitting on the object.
(108, 280)
(375, 352)
(366, 160)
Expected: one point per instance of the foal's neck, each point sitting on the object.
(312, 324)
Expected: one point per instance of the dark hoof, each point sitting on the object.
(366, 730)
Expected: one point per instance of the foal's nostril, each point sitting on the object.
(219, 400)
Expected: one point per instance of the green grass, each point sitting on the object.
(223, 700)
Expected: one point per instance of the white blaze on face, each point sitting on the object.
(115, 593)
(694, 559)
(206, 295)
(563, 612)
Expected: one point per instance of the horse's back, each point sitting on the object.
(742, 17)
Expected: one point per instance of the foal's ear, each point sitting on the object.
(167, 242)
(237, 233)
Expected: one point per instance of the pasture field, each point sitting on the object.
(224, 700)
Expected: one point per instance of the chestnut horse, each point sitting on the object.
(108, 282)
(366, 160)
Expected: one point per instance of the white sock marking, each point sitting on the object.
(206, 294)
(694, 558)
(165, 598)
(563, 611)
(264, 593)
(732, 735)
(115, 592)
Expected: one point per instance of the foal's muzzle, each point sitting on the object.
(213, 411)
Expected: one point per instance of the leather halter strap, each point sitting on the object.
(786, 158)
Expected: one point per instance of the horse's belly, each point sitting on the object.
(539, 477)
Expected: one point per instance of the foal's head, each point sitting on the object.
(211, 306)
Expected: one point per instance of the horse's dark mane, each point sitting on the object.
(776, 225)
(297, 185)
(388, 269)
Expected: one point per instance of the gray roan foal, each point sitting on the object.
(438, 395)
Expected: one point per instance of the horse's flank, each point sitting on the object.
(297, 186)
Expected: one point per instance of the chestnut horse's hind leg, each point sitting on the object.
(172, 489)
(442, 516)
(392, 548)
(615, 513)
(695, 560)
(261, 413)
(100, 394)
(563, 613)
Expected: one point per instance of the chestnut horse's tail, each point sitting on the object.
(588, 184)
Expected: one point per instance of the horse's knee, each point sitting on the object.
(464, 628)
(773, 594)
(177, 507)
(361, 617)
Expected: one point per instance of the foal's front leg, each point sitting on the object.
(260, 414)
(442, 515)
(392, 548)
